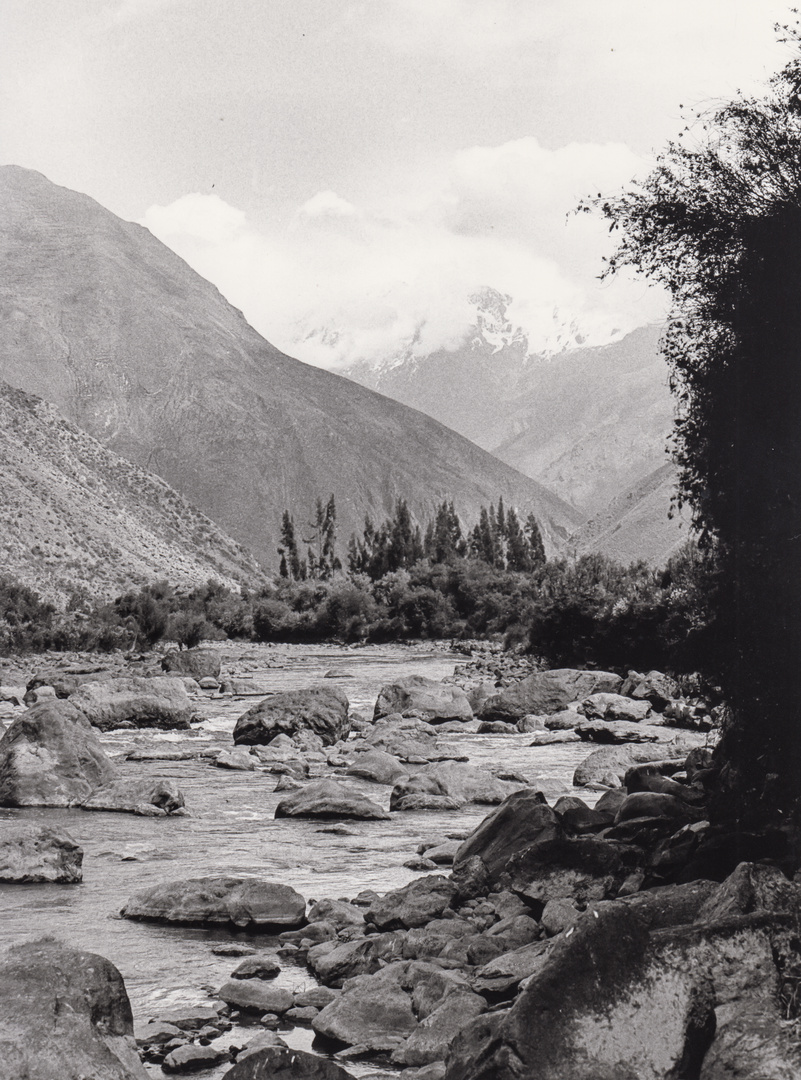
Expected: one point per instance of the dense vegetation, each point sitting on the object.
(718, 223)
(403, 583)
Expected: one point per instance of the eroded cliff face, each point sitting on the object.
(101, 319)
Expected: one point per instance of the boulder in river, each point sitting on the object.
(320, 709)
(599, 731)
(378, 767)
(239, 901)
(50, 756)
(423, 899)
(434, 701)
(64, 1013)
(255, 995)
(546, 692)
(196, 663)
(459, 781)
(279, 1061)
(655, 687)
(239, 759)
(31, 853)
(611, 707)
(524, 816)
(148, 798)
(63, 682)
(329, 799)
(160, 702)
(612, 762)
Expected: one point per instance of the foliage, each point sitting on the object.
(718, 223)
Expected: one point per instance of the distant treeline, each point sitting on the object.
(498, 539)
(404, 584)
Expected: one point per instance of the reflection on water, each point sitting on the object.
(232, 831)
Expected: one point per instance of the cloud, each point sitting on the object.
(342, 282)
(201, 217)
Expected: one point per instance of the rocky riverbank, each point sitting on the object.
(439, 975)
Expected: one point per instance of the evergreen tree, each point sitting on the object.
(518, 548)
(534, 537)
(290, 560)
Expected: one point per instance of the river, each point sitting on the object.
(232, 830)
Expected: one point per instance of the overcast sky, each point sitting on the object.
(350, 173)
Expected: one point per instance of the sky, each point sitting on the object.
(350, 174)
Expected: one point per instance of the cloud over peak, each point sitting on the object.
(344, 282)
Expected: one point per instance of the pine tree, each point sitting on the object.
(534, 537)
(518, 548)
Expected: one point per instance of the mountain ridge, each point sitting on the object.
(101, 319)
(78, 517)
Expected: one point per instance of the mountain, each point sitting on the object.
(78, 516)
(586, 422)
(101, 319)
(636, 525)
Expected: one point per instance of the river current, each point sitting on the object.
(232, 830)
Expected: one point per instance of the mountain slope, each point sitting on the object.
(77, 516)
(101, 319)
(636, 524)
(586, 422)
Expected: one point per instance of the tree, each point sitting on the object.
(718, 223)
(444, 540)
(291, 565)
(518, 547)
(321, 558)
(534, 537)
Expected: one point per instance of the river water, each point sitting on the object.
(231, 830)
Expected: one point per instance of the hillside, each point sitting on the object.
(104, 321)
(636, 524)
(77, 516)
(585, 422)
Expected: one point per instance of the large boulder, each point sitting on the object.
(64, 1013)
(655, 688)
(242, 902)
(591, 1011)
(196, 663)
(148, 798)
(329, 799)
(456, 780)
(636, 993)
(415, 904)
(377, 767)
(546, 692)
(335, 962)
(63, 681)
(253, 995)
(429, 1042)
(582, 869)
(610, 764)
(160, 702)
(373, 1011)
(322, 710)
(436, 702)
(521, 818)
(612, 707)
(283, 1063)
(50, 756)
(599, 731)
(30, 853)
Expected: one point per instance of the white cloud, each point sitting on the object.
(327, 204)
(196, 216)
(343, 283)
